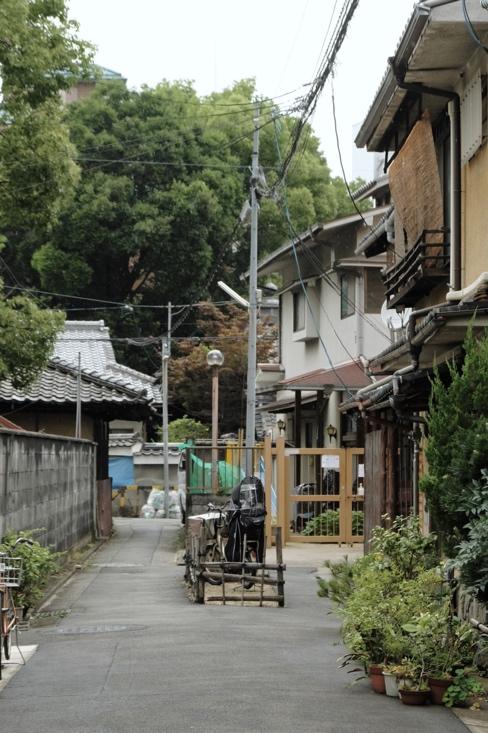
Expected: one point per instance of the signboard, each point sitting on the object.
(331, 462)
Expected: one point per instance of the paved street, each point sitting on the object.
(134, 655)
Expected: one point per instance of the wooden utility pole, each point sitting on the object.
(253, 308)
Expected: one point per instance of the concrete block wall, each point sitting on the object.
(47, 482)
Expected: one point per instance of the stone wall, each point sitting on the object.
(47, 482)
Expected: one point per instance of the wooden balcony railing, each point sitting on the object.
(420, 270)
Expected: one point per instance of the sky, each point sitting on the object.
(278, 42)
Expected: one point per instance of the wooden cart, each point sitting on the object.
(211, 578)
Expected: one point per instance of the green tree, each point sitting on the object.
(185, 427)
(27, 335)
(39, 56)
(164, 174)
(457, 448)
(190, 376)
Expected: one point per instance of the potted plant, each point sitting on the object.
(442, 643)
(413, 688)
(463, 690)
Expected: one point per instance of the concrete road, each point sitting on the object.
(134, 655)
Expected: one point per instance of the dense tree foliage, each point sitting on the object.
(27, 335)
(190, 376)
(457, 448)
(39, 56)
(164, 176)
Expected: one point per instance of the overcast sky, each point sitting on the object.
(279, 42)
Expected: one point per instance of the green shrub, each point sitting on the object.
(327, 524)
(462, 689)
(38, 564)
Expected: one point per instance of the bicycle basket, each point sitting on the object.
(10, 571)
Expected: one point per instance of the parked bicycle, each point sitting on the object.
(10, 578)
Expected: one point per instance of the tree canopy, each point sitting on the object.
(190, 377)
(154, 217)
(39, 56)
(164, 176)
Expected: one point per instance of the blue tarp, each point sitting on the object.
(121, 470)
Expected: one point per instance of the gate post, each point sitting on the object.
(268, 478)
(281, 487)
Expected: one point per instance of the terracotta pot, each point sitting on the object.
(438, 688)
(376, 678)
(414, 697)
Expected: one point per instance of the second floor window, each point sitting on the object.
(298, 311)
(348, 295)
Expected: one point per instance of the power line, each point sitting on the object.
(117, 304)
(348, 188)
(471, 29)
(286, 212)
(311, 99)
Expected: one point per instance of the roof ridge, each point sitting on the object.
(93, 376)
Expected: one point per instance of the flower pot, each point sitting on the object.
(376, 678)
(438, 688)
(414, 697)
(391, 684)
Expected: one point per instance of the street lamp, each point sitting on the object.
(215, 359)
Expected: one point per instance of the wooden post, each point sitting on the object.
(281, 488)
(268, 479)
(279, 562)
(298, 434)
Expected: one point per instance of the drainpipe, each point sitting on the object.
(429, 4)
(455, 120)
(385, 380)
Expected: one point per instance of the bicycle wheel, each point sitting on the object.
(8, 623)
(214, 555)
(7, 645)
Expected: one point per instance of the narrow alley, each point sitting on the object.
(132, 654)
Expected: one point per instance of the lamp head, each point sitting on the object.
(331, 431)
(215, 358)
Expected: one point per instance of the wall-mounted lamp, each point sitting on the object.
(280, 424)
(331, 432)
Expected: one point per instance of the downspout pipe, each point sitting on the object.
(429, 4)
(455, 122)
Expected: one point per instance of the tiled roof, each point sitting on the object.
(157, 449)
(123, 440)
(91, 339)
(58, 383)
(350, 374)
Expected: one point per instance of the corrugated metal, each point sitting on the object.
(471, 119)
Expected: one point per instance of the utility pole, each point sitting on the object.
(253, 307)
(165, 354)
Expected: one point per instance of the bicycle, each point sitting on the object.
(10, 578)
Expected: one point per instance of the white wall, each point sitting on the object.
(356, 333)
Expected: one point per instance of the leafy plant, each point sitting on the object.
(186, 427)
(341, 583)
(472, 553)
(403, 548)
(327, 523)
(441, 642)
(463, 688)
(38, 565)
